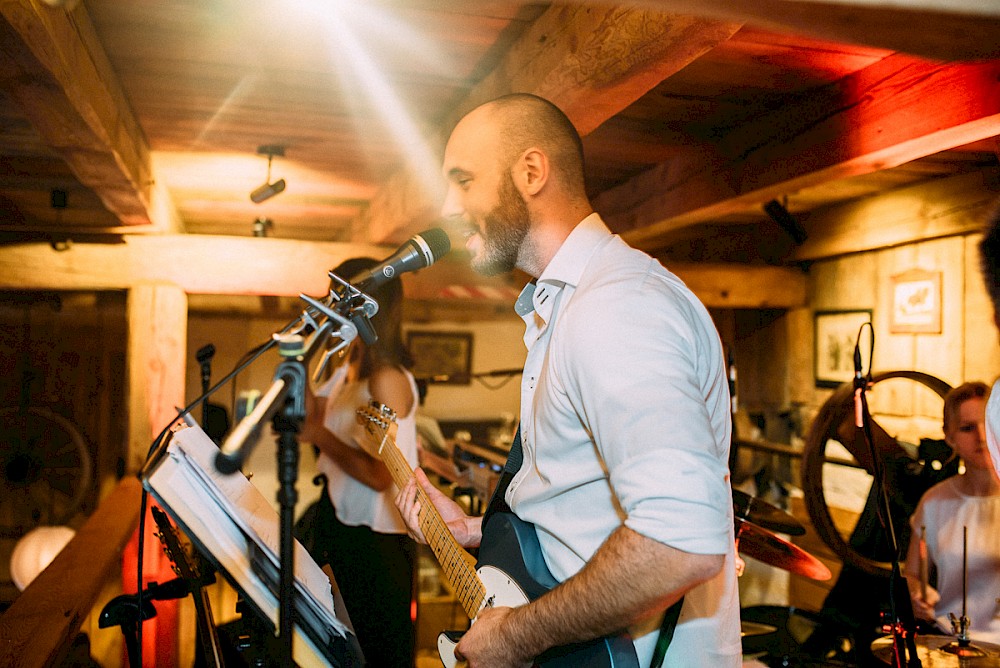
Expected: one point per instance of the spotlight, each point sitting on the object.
(786, 221)
(268, 189)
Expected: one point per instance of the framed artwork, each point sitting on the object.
(444, 357)
(836, 334)
(916, 302)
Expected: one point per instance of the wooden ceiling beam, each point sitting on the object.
(594, 61)
(199, 264)
(943, 30)
(895, 111)
(938, 208)
(285, 268)
(54, 68)
(591, 61)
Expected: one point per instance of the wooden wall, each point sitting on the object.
(775, 351)
(64, 353)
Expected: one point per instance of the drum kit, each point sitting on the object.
(758, 522)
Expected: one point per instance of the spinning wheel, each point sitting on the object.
(824, 427)
(45, 469)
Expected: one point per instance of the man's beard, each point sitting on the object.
(504, 229)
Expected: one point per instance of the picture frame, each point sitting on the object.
(835, 336)
(916, 302)
(442, 357)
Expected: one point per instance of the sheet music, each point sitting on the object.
(238, 528)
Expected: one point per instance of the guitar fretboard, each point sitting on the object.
(457, 564)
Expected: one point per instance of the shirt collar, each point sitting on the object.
(565, 267)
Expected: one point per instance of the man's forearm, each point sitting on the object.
(629, 578)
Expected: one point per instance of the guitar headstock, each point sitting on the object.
(378, 420)
(183, 565)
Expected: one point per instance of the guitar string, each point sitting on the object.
(470, 589)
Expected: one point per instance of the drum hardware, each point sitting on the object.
(791, 645)
(962, 645)
(944, 652)
(751, 629)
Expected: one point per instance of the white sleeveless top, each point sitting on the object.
(356, 503)
(945, 511)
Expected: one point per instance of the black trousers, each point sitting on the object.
(375, 574)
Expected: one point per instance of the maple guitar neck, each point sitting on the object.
(458, 565)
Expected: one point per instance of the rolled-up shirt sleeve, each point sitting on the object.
(648, 371)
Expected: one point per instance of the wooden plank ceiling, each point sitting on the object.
(149, 114)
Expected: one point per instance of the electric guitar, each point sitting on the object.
(510, 571)
(208, 637)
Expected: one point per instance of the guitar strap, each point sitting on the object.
(667, 627)
(499, 504)
(513, 464)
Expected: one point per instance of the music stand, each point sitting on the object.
(237, 530)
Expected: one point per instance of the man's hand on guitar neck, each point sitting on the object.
(468, 530)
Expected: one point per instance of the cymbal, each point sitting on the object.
(763, 514)
(763, 545)
(944, 652)
(755, 629)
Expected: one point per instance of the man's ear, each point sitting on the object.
(531, 172)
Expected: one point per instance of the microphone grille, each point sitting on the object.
(437, 242)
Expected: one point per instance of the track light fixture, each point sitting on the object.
(268, 189)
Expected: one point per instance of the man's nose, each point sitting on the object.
(452, 207)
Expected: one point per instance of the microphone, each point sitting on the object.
(421, 250)
(205, 353)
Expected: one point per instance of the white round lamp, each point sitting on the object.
(35, 551)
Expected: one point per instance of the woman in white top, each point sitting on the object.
(356, 527)
(968, 503)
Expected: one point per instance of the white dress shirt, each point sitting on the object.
(993, 425)
(625, 419)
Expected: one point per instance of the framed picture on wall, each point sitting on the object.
(836, 334)
(444, 357)
(916, 302)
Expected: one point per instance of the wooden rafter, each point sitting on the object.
(281, 267)
(54, 67)
(943, 30)
(883, 116)
(591, 61)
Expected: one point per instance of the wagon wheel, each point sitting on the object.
(824, 428)
(45, 470)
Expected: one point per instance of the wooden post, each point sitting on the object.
(157, 344)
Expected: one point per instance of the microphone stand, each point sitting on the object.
(903, 624)
(284, 404)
